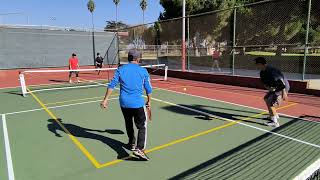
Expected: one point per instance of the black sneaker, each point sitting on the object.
(139, 153)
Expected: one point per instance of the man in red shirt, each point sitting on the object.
(74, 66)
(215, 57)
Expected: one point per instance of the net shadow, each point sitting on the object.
(264, 157)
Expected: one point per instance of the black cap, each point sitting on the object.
(133, 54)
(261, 60)
(98, 53)
(73, 54)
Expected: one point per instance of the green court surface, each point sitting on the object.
(183, 141)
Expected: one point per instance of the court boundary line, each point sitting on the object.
(73, 138)
(213, 99)
(55, 107)
(231, 122)
(177, 92)
(227, 102)
(244, 124)
(7, 148)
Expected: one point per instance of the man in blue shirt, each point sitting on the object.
(133, 80)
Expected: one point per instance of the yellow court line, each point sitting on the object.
(194, 136)
(74, 139)
(98, 165)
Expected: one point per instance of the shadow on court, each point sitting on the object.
(221, 112)
(14, 92)
(59, 81)
(265, 157)
(82, 132)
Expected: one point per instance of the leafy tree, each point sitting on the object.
(116, 2)
(112, 26)
(214, 27)
(270, 23)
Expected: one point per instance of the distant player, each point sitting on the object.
(133, 80)
(278, 87)
(216, 54)
(74, 66)
(99, 62)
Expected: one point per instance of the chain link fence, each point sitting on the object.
(226, 41)
(22, 47)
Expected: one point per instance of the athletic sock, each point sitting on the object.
(274, 119)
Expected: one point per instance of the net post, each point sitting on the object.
(166, 73)
(23, 84)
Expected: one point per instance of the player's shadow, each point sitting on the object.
(221, 112)
(82, 132)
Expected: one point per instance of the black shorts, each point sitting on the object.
(273, 99)
(99, 65)
(74, 72)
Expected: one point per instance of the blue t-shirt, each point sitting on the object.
(133, 79)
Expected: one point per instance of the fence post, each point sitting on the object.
(188, 40)
(234, 39)
(306, 44)
(183, 48)
(118, 47)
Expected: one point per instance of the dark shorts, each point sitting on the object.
(98, 65)
(74, 72)
(273, 99)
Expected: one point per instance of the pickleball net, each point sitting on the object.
(40, 80)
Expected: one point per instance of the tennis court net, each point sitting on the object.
(40, 80)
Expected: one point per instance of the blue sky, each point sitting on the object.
(74, 13)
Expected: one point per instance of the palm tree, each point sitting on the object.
(143, 5)
(91, 7)
(116, 2)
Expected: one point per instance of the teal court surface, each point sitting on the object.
(65, 135)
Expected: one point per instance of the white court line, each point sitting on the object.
(308, 171)
(286, 115)
(13, 87)
(212, 99)
(55, 107)
(7, 148)
(238, 122)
